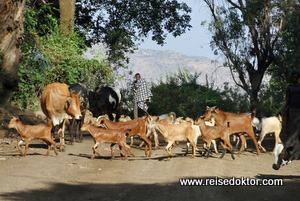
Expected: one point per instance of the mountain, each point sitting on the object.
(156, 64)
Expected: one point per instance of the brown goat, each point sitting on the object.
(238, 123)
(28, 132)
(176, 132)
(101, 135)
(138, 127)
(210, 133)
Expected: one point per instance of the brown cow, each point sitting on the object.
(57, 104)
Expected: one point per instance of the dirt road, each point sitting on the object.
(73, 176)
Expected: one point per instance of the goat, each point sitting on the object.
(124, 118)
(138, 127)
(151, 130)
(198, 133)
(239, 123)
(176, 132)
(210, 133)
(288, 151)
(268, 125)
(28, 132)
(171, 116)
(101, 135)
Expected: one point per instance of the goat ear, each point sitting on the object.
(69, 100)
(15, 118)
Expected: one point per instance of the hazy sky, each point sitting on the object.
(194, 42)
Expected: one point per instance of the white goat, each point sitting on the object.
(268, 125)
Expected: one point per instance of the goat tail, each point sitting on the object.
(280, 118)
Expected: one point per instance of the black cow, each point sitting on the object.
(290, 150)
(82, 91)
(105, 100)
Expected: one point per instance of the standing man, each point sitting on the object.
(293, 103)
(142, 94)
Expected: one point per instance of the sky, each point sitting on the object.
(195, 42)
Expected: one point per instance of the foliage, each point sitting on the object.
(120, 24)
(247, 32)
(50, 57)
(287, 54)
(288, 51)
(181, 93)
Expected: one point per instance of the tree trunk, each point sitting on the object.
(67, 11)
(11, 37)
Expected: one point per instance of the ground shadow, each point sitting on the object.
(159, 191)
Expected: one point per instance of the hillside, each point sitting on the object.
(156, 64)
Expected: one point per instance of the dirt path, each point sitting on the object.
(73, 176)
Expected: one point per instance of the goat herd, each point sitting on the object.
(57, 103)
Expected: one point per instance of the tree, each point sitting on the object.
(247, 33)
(67, 11)
(120, 24)
(11, 37)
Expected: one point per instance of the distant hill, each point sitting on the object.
(155, 64)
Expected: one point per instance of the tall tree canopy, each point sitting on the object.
(120, 24)
(247, 32)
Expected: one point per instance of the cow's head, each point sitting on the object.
(73, 106)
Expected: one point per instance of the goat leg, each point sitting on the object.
(208, 152)
(112, 150)
(130, 151)
(19, 147)
(131, 141)
(147, 135)
(232, 156)
(121, 153)
(243, 139)
(49, 146)
(168, 150)
(95, 151)
(223, 153)
(126, 150)
(194, 148)
(148, 144)
(187, 148)
(26, 147)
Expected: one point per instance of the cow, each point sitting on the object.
(57, 104)
(290, 150)
(82, 91)
(105, 100)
